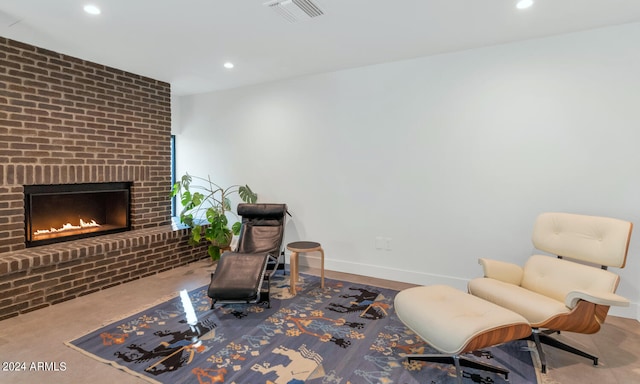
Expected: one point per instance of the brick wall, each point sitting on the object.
(43, 276)
(67, 120)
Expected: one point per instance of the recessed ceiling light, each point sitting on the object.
(92, 9)
(524, 4)
(228, 65)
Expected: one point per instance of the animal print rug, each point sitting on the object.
(343, 334)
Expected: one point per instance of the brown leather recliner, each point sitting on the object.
(243, 276)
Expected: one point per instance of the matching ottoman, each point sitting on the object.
(454, 322)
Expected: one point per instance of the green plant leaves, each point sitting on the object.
(185, 199)
(197, 198)
(214, 216)
(235, 228)
(187, 218)
(186, 180)
(214, 252)
(196, 234)
(175, 189)
(247, 195)
(213, 203)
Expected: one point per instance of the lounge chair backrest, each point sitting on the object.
(602, 241)
(262, 228)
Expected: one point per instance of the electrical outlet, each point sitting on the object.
(383, 243)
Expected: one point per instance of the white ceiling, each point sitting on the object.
(185, 42)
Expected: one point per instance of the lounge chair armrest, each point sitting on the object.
(503, 271)
(597, 298)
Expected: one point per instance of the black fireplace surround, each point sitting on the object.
(64, 212)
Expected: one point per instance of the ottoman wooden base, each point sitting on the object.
(454, 322)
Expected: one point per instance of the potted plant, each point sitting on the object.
(205, 205)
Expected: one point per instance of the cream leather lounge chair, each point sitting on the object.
(570, 292)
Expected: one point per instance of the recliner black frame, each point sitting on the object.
(244, 276)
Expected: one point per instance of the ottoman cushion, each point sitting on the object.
(455, 322)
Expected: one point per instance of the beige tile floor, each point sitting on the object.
(39, 336)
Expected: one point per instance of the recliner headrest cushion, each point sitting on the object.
(262, 210)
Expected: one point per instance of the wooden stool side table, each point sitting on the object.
(304, 247)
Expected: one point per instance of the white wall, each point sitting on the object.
(451, 156)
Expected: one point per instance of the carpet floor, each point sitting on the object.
(346, 333)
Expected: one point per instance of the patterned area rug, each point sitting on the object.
(343, 334)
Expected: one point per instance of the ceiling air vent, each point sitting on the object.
(294, 10)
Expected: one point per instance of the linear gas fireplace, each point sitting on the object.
(63, 212)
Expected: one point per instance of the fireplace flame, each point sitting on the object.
(68, 227)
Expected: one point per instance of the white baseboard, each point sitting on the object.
(386, 273)
(423, 278)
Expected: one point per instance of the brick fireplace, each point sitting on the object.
(65, 120)
(63, 212)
